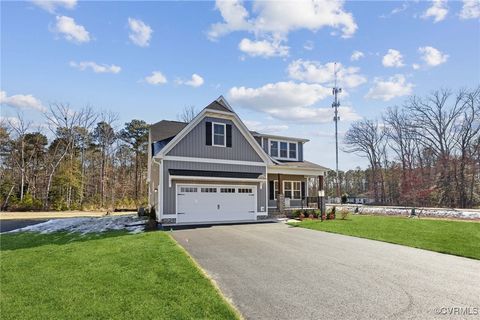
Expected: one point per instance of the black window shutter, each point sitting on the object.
(303, 189)
(271, 190)
(229, 135)
(208, 133)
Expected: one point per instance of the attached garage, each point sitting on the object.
(215, 203)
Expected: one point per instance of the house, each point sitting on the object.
(215, 170)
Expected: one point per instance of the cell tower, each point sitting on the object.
(336, 90)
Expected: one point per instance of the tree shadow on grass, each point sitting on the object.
(25, 240)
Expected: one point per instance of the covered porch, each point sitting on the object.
(295, 186)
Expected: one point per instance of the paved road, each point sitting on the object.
(273, 271)
(8, 225)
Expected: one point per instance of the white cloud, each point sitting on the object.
(315, 72)
(438, 11)
(415, 66)
(288, 101)
(140, 33)
(357, 55)
(265, 128)
(386, 90)
(470, 10)
(52, 5)
(22, 101)
(97, 68)
(71, 31)
(195, 81)
(263, 48)
(309, 45)
(276, 19)
(432, 57)
(156, 78)
(235, 18)
(393, 58)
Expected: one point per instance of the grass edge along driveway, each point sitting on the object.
(459, 238)
(112, 275)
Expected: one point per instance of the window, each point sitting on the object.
(188, 189)
(218, 134)
(275, 189)
(292, 189)
(274, 148)
(208, 190)
(245, 190)
(283, 150)
(227, 190)
(292, 150)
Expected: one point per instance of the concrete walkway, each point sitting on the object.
(273, 271)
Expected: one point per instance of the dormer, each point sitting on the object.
(280, 147)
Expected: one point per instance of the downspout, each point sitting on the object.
(159, 188)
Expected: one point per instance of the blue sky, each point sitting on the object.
(271, 60)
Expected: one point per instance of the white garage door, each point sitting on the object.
(208, 203)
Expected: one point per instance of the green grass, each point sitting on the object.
(454, 237)
(108, 276)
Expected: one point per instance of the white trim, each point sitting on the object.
(196, 178)
(275, 137)
(211, 160)
(279, 142)
(224, 125)
(254, 191)
(293, 189)
(296, 171)
(160, 192)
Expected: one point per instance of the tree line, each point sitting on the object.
(74, 160)
(425, 152)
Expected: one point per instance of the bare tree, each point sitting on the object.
(366, 138)
(434, 120)
(468, 130)
(187, 114)
(20, 127)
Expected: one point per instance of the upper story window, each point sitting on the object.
(274, 148)
(292, 150)
(218, 133)
(283, 150)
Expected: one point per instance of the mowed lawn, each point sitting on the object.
(460, 238)
(106, 276)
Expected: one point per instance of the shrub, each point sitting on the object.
(295, 214)
(344, 214)
(344, 198)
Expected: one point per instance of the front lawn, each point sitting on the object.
(454, 237)
(113, 275)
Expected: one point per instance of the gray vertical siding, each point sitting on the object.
(169, 192)
(193, 145)
(265, 145)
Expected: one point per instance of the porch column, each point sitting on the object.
(280, 195)
(321, 199)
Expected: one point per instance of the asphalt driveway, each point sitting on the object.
(9, 225)
(273, 271)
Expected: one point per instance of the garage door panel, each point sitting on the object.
(196, 203)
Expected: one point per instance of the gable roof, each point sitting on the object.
(221, 103)
(165, 129)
